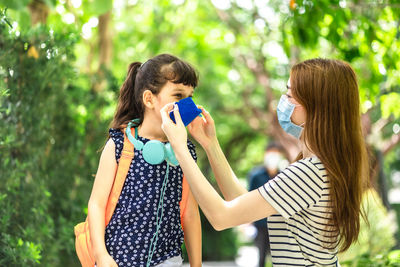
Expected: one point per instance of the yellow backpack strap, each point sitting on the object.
(122, 171)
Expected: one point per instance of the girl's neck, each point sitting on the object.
(151, 130)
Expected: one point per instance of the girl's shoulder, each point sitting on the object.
(117, 136)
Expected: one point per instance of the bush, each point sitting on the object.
(376, 239)
(391, 259)
(38, 145)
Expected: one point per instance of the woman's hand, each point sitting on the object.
(176, 133)
(203, 129)
(106, 260)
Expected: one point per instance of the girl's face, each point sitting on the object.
(299, 114)
(171, 92)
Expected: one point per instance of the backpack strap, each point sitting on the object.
(184, 200)
(121, 173)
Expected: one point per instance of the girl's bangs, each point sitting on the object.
(182, 72)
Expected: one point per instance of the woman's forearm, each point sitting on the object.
(226, 178)
(222, 214)
(207, 198)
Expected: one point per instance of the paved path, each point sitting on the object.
(217, 264)
(247, 257)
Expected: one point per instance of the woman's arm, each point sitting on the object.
(226, 178)
(222, 214)
(246, 208)
(192, 230)
(97, 204)
(203, 130)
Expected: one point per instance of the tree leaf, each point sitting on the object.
(12, 4)
(99, 7)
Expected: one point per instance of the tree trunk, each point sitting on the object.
(39, 12)
(105, 39)
(105, 51)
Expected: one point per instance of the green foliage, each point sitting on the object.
(14, 4)
(376, 237)
(43, 151)
(97, 7)
(391, 259)
(363, 34)
(53, 121)
(217, 246)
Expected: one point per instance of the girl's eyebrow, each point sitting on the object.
(180, 90)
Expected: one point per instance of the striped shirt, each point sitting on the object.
(298, 234)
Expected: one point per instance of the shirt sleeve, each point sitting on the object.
(295, 189)
(118, 138)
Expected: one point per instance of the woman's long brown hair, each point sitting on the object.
(328, 91)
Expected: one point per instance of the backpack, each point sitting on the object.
(83, 244)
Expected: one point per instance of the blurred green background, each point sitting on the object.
(62, 63)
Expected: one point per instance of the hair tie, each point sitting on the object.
(141, 65)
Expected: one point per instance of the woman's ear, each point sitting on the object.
(148, 99)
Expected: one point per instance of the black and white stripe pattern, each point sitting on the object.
(298, 235)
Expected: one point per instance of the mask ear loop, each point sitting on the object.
(154, 239)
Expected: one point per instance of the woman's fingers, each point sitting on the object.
(197, 120)
(168, 107)
(206, 114)
(164, 112)
(177, 115)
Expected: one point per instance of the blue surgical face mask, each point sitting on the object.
(284, 111)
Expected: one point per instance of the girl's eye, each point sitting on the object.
(178, 95)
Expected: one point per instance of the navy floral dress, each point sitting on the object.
(133, 224)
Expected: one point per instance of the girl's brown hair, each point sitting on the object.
(328, 91)
(151, 75)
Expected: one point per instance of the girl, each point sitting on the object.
(313, 206)
(138, 233)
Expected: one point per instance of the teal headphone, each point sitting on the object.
(154, 151)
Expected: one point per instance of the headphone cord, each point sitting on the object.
(154, 239)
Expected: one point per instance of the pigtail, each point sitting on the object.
(128, 108)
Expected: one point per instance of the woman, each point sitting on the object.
(313, 206)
